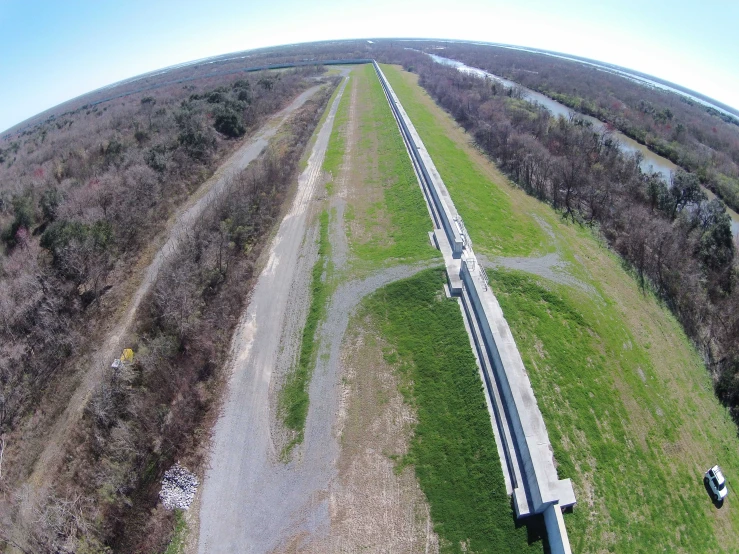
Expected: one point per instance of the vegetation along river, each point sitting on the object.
(651, 162)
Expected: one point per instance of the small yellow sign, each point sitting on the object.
(127, 355)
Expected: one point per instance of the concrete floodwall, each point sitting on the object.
(430, 177)
(521, 434)
(532, 490)
(533, 450)
(559, 542)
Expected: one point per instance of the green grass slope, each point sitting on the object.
(628, 404)
(491, 218)
(453, 449)
(386, 217)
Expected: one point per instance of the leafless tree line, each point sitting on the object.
(696, 138)
(146, 417)
(80, 199)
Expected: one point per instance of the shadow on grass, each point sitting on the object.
(536, 531)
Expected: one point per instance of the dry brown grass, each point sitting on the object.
(373, 508)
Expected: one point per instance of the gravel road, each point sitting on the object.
(245, 493)
(111, 348)
(252, 501)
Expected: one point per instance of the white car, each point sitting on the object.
(717, 483)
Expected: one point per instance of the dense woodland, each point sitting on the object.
(81, 197)
(677, 241)
(184, 335)
(699, 139)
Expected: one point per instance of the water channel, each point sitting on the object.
(650, 163)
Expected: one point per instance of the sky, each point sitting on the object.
(55, 50)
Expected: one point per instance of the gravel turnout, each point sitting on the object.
(550, 266)
(178, 488)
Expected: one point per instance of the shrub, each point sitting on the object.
(230, 125)
(24, 218)
(61, 233)
(193, 138)
(50, 200)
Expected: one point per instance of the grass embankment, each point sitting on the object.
(179, 536)
(294, 397)
(495, 223)
(453, 448)
(337, 141)
(616, 427)
(386, 217)
(627, 401)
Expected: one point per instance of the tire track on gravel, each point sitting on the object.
(252, 502)
(295, 499)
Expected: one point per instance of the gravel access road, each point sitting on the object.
(251, 501)
(244, 498)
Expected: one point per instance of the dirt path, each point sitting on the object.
(103, 356)
(251, 500)
(337, 231)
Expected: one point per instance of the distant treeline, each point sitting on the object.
(676, 240)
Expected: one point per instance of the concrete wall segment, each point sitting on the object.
(528, 461)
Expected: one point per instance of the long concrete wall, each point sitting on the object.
(428, 173)
(528, 461)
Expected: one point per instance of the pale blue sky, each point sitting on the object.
(53, 51)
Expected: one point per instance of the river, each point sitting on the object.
(651, 162)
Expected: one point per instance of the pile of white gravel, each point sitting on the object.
(178, 488)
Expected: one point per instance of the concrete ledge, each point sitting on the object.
(429, 176)
(524, 417)
(521, 436)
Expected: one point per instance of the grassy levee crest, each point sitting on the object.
(453, 447)
(626, 399)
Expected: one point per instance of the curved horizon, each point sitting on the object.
(619, 70)
(59, 51)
